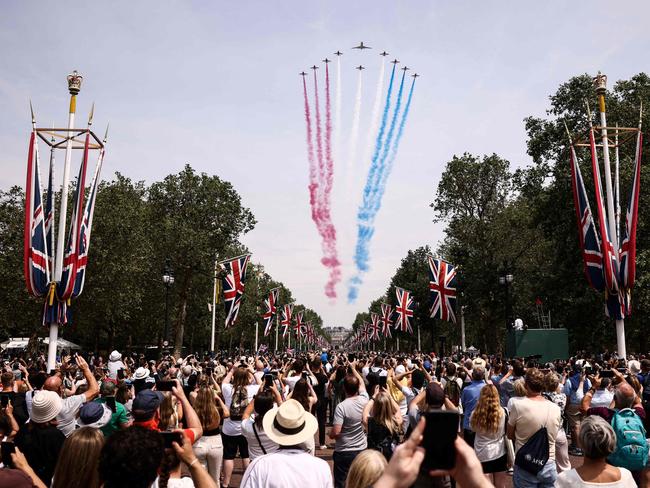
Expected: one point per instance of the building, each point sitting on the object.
(337, 335)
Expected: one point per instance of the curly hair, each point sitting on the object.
(488, 412)
(130, 458)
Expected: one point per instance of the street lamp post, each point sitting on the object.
(168, 280)
(506, 280)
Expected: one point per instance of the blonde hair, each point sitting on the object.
(206, 408)
(520, 387)
(383, 412)
(78, 462)
(168, 415)
(487, 413)
(366, 469)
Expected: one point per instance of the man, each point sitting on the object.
(115, 364)
(469, 399)
(506, 384)
(119, 418)
(526, 417)
(451, 383)
(321, 405)
(291, 466)
(71, 405)
(298, 368)
(575, 388)
(347, 429)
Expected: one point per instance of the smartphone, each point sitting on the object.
(607, 373)
(110, 403)
(209, 371)
(351, 357)
(6, 450)
(165, 385)
(169, 437)
(440, 433)
(382, 381)
(621, 370)
(268, 380)
(120, 374)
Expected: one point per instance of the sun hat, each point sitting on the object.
(289, 424)
(93, 414)
(634, 366)
(141, 373)
(115, 356)
(46, 405)
(479, 361)
(146, 403)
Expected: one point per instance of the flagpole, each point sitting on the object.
(419, 345)
(462, 328)
(277, 326)
(214, 307)
(256, 335)
(600, 83)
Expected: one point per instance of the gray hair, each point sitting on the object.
(478, 373)
(596, 437)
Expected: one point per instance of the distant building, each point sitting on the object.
(337, 334)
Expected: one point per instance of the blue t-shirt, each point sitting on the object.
(469, 399)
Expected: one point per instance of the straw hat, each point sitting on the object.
(115, 356)
(141, 373)
(289, 424)
(46, 405)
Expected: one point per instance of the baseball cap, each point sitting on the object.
(146, 403)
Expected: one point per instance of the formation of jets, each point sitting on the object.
(361, 47)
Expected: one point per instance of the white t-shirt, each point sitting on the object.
(113, 366)
(185, 482)
(254, 449)
(280, 470)
(489, 447)
(571, 479)
(68, 414)
(233, 427)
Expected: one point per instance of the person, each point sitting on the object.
(40, 440)
(603, 396)
(452, 384)
(21, 475)
(304, 393)
(554, 392)
(489, 421)
(526, 418)
(575, 389)
(94, 415)
(597, 440)
(469, 398)
(119, 419)
(506, 384)
(366, 469)
(347, 429)
(431, 397)
(289, 425)
(252, 427)
(170, 473)
(114, 364)
(70, 406)
(382, 420)
(320, 409)
(209, 448)
(78, 462)
(237, 395)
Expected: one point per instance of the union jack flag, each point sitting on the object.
(374, 327)
(628, 247)
(287, 311)
(86, 227)
(271, 309)
(363, 333)
(49, 216)
(386, 319)
(298, 328)
(404, 310)
(309, 333)
(36, 270)
(233, 286)
(442, 288)
(592, 257)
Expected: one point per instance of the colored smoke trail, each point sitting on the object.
(376, 113)
(313, 180)
(319, 136)
(329, 162)
(354, 137)
(337, 111)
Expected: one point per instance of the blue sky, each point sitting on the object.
(215, 84)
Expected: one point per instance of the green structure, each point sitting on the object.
(551, 344)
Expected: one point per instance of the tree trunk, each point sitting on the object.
(182, 314)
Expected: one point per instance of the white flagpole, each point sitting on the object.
(419, 346)
(214, 307)
(600, 82)
(256, 336)
(462, 328)
(617, 188)
(277, 326)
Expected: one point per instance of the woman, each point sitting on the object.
(489, 420)
(366, 469)
(382, 420)
(259, 443)
(209, 448)
(597, 440)
(79, 459)
(554, 393)
(304, 393)
(238, 393)
(171, 412)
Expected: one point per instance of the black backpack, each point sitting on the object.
(533, 455)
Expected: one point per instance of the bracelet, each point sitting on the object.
(196, 460)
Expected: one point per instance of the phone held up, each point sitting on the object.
(440, 434)
(169, 437)
(6, 450)
(165, 385)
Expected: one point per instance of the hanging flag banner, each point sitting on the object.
(287, 312)
(404, 310)
(233, 283)
(442, 289)
(374, 327)
(271, 309)
(386, 319)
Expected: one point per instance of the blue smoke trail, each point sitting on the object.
(366, 215)
(393, 153)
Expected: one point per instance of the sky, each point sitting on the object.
(215, 84)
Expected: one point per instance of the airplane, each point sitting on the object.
(314, 67)
(360, 67)
(383, 54)
(302, 74)
(394, 61)
(405, 68)
(361, 46)
(326, 61)
(338, 53)
(415, 75)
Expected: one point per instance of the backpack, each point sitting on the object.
(533, 455)
(452, 390)
(381, 439)
(239, 403)
(631, 447)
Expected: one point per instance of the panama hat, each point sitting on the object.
(141, 373)
(115, 356)
(46, 405)
(289, 424)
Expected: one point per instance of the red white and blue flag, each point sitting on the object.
(287, 312)
(386, 319)
(628, 246)
(592, 257)
(442, 289)
(297, 328)
(49, 217)
(233, 284)
(404, 310)
(37, 276)
(374, 326)
(271, 309)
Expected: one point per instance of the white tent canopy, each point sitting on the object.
(21, 343)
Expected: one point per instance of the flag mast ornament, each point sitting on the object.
(57, 272)
(609, 263)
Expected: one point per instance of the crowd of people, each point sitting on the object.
(185, 422)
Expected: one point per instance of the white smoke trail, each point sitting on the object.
(354, 137)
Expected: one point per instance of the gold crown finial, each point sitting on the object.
(600, 83)
(74, 82)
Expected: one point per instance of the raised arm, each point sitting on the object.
(93, 387)
(191, 418)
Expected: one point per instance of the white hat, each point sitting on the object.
(94, 414)
(115, 356)
(141, 373)
(46, 405)
(634, 366)
(289, 424)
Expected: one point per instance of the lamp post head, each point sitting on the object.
(510, 278)
(600, 83)
(74, 82)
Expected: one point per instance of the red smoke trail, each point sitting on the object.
(329, 162)
(313, 181)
